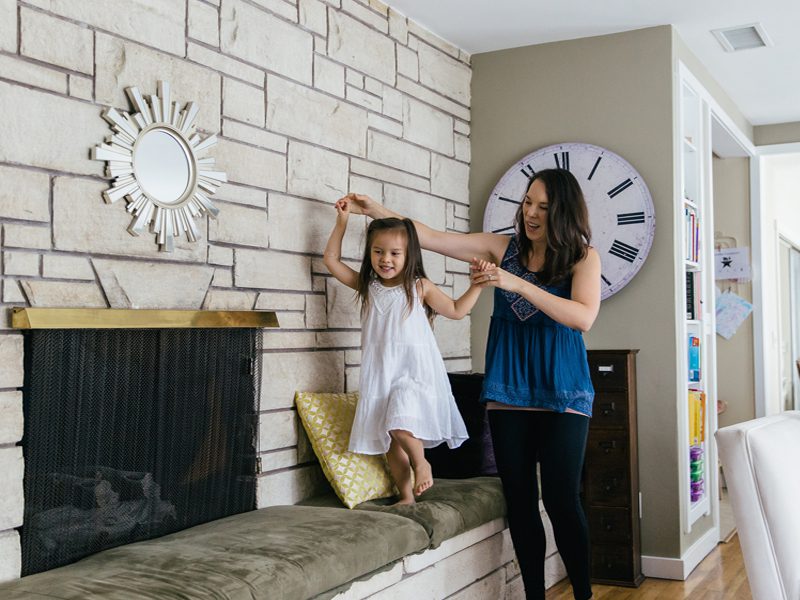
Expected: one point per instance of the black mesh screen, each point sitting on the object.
(132, 434)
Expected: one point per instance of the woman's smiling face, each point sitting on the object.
(534, 212)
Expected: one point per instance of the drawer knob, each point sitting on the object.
(608, 408)
(605, 370)
(608, 445)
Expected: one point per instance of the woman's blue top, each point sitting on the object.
(532, 360)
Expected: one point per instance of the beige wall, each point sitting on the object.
(779, 133)
(614, 91)
(735, 383)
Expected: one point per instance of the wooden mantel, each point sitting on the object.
(114, 318)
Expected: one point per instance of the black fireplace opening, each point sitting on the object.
(132, 434)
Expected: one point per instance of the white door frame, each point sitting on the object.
(792, 329)
(765, 325)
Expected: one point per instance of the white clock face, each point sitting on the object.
(621, 211)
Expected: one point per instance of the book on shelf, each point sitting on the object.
(696, 473)
(692, 296)
(692, 234)
(697, 417)
(697, 438)
(694, 358)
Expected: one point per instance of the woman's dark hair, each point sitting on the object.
(568, 230)
(412, 270)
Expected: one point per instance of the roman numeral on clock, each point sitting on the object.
(504, 199)
(509, 229)
(594, 168)
(564, 163)
(620, 188)
(605, 280)
(528, 171)
(630, 218)
(623, 251)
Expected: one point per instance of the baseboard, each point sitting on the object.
(662, 567)
(730, 536)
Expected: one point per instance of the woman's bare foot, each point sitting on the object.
(423, 477)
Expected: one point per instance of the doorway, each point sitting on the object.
(735, 380)
(789, 298)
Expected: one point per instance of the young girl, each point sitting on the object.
(405, 400)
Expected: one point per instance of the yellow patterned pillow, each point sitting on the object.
(328, 419)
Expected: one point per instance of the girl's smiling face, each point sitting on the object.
(388, 255)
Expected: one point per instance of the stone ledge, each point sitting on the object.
(10, 556)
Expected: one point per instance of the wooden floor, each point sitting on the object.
(720, 576)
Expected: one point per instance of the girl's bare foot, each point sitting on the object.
(423, 477)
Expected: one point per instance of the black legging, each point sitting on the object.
(558, 442)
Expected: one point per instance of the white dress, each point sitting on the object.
(403, 383)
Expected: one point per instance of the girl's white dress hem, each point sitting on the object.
(403, 382)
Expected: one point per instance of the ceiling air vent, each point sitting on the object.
(743, 37)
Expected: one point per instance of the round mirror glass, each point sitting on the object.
(161, 166)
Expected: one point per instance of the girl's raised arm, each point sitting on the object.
(333, 249)
(462, 246)
(452, 308)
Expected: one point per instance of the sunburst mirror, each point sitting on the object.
(154, 158)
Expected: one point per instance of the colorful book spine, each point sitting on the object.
(697, 417)
(697, 438)
(694, 358)
(696, 473)
(691, 234)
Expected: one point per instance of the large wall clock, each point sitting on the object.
(620, 206)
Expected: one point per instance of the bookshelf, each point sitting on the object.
(695, 322)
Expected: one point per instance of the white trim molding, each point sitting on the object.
(662, 567)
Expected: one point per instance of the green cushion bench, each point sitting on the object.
(278, 553)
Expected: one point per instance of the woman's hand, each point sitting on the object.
(484, 273)
(359, 204)
(343, 210)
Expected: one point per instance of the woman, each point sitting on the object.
(537, 385)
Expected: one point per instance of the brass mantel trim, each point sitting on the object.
(115, 318)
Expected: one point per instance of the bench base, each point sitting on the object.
(479, 563)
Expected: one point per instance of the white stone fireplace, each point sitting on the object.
(339, 96)
(137, 424)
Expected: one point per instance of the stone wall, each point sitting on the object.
(311, 98)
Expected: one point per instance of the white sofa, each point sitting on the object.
(761, 459)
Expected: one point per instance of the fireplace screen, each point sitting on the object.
(133, 434)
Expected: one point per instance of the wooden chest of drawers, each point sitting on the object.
(611, 471)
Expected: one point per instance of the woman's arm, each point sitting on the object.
(462, 246)
(333, 250)
(447, 306)
(579, 312)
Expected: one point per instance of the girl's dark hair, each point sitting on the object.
(568, 230)
(412, 270)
